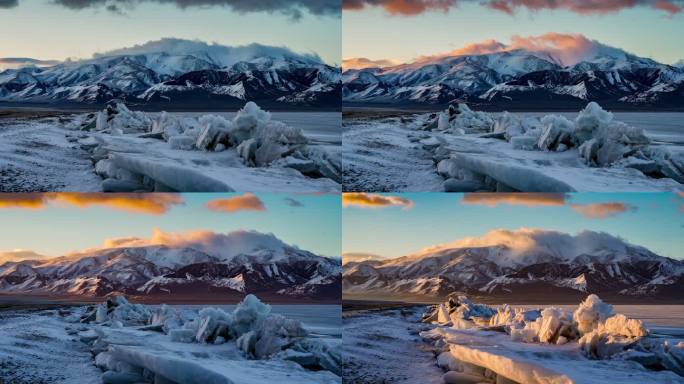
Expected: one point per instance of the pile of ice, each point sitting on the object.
(254, 330)
(257, 140)
(599, 332)
(461, 312)
(461, 120)
(600, 140)
(117, 119)
(118, 312)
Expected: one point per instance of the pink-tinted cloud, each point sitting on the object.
(372, 200)
(602, 210)
(565, 49)
(584, 7)
(363, 62)
(246, 202)
(526, 199)
(401, 7)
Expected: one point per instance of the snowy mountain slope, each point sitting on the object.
(504, 263)
(242, 262)
(519, 77)
(182, 73)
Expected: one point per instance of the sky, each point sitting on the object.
(376, 33)
(394, 225)
(58, 29)
(58, 224)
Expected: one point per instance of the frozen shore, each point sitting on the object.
(461, 150)
(119, 150)
(120, 342)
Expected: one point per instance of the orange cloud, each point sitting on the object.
(371, 200)
(22, 200)
(159, 237)
(584, 7)
(149, 203)
(601, 210)
(363, 62)
(592, 211)
(526, 199)
(19, 255)
(246, 202)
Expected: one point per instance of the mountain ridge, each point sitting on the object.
(527, 263)
(519, 79)
(286, 273)
(204, 74)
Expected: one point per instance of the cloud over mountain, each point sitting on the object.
(21, 62)
(222, 54)
(363, 62)
(563, 48)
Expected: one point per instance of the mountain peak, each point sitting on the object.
(218, 54)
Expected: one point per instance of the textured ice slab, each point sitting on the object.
(542, 363)
(194, 171)
(532, 171)
(207, 368)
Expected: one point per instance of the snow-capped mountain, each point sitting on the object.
(522, 264)
(520, 78)
(238, 263)
(179, 73)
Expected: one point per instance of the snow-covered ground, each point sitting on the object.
(384, 347)
(518, 152)
(118, 342)
(473, 343)
(291, 152)
(35, 156)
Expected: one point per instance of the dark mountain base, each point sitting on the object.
(512, 106)
(521, 298)
(208, 105)
(8, 302)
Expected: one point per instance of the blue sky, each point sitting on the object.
(374, 34)
(58, 228)
(43, 30)
(653, 220)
